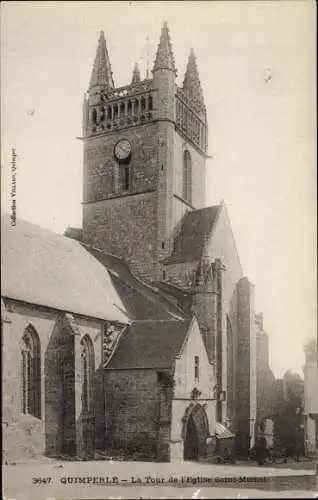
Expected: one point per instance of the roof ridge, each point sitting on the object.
(56, 265)
(172, 320)
(213, 222)
(138, 282)
(223, 206)
(196, 226)
(34, 225)
(100, 250)
(204, 208)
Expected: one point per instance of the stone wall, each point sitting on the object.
(185, 382)
(124, 227)
(198, 170)
(138, 224)
(310, 395)
(246, 367)
(137, 413)
(181, 272)
(52, 434)
(19, 317)
(265, 380)
(222, 246)
(101, 168)
(232, 361)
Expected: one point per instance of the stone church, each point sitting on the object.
(136, 332)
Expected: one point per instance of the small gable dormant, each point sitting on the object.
(192, 367)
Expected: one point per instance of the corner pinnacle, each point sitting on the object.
(102, 74)
(136, 74)
(164, 57)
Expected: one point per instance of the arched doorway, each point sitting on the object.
(195, 433)
(191, 442)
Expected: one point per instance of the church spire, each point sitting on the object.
(191, 82)
(164, 57)
(136, 74)
(102, 74)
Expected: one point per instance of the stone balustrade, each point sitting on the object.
(120, 110)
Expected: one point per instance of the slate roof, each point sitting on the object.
(149, 344)
(48, 269)
(142, 301)
(45, 268)
(189, 242)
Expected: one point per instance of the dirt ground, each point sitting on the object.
(109, 479)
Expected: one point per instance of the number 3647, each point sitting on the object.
(41, 480)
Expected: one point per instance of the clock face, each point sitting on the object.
(122, 149)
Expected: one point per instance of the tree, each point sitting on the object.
(289, 415)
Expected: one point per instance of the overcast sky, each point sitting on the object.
(257, 66)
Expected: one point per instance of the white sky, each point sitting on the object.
(262, 134)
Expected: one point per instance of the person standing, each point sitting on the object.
(260, 450)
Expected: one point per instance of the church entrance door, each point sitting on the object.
(195, 433)
(191, 443)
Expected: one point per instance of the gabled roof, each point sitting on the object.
(149, 344)
(48, 269)
(172, 289)
(141, 300)
(190, 240)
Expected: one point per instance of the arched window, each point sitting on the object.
(124, 177)
(187, 176)
(129, 107)
(143, 103)
(94, 116)
(121, 109)
(136, 108)
(150, 102)
(31, 373)
(88, 368)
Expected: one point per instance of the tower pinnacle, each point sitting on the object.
(191, 82)
(102, 74)
(164, 57)
(136, 74)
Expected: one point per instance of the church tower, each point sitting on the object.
(145, 146)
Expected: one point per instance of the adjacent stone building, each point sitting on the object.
(136, 332)
(266, 384)
(311, 397)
